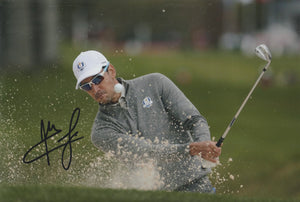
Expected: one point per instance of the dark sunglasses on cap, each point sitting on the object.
(96, 80)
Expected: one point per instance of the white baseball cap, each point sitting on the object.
(88, 63)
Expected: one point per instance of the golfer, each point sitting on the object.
(148, 118)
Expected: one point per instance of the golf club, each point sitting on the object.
(264, 53)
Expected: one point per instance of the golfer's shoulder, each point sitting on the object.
(154, 78)
(104, 120)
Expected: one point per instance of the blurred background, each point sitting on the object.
(205, 46)
(33, 30)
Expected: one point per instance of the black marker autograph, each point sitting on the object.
(45, 136)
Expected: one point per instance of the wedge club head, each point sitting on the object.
(263, 52)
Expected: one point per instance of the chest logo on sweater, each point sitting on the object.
(147, 102)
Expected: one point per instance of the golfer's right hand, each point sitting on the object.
(207, 149)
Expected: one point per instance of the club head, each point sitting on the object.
(263, 52)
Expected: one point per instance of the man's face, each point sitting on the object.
(104, 93)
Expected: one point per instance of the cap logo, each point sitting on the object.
(147, 102)
(80, 66)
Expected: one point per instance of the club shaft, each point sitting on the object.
(219, 143)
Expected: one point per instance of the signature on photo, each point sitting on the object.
(48, 131)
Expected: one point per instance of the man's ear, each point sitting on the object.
(112, 71)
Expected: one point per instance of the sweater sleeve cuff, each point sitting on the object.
(184, 149)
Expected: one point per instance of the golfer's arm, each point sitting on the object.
(180, 107)
(127, 146)
(198, 128)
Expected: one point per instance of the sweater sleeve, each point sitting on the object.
(108, 139)
(181, 109)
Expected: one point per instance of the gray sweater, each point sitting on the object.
(158, 123)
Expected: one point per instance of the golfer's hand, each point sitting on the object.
(207, 149)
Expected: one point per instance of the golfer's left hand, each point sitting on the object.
(207, 149)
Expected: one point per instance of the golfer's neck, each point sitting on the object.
(116, 97)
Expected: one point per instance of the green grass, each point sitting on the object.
(72, 193)
(262, 143)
